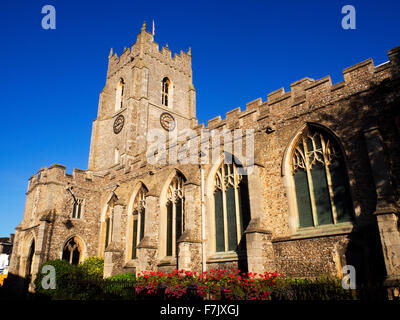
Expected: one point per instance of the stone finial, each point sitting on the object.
(190, 51)
(144, 26)
(166, 46)
(111, 53)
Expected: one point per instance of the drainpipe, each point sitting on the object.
(203, 227)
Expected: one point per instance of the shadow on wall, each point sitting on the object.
(364, 252)
(16, 288)
(378, 107)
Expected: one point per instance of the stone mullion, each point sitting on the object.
(138, 218)
(224, 210)
(329, 180)
(173, 228)
(310, 184)
(237, 209)
(137, 227)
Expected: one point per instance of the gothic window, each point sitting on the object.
(165, 91)
(320, 178)
(72, 251)
(139, 213)
(231, 208)
(119, 94)
(175, 214)
(77, 208)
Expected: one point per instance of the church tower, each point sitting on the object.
(145, 89)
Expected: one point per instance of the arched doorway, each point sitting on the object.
(29, 265)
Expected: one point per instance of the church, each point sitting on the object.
(307, 182)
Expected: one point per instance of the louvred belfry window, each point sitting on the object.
(119, 95)
(321, 181)
(232, 208)
(165, 91)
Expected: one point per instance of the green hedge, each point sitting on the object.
(80, 282)
(84, 282)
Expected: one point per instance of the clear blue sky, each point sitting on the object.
(50, 80)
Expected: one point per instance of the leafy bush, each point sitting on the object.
(316, 289)
(93, 267)
(73, 282)
(64, 272)
(84, 282)
(123, 277)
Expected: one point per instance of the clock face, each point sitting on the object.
(119, 124)
(167, 121)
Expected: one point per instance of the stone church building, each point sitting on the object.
(323, 189)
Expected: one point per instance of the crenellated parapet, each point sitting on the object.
(56, 174)
(305, 94)
(312, 93)
(145, 48)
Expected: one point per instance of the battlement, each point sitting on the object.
(307, 92)
(316, 93)
(145, 46)
(57, 174)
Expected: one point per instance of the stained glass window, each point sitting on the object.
(139, 214)
(231, 208)
(320, 179)
(175, 214)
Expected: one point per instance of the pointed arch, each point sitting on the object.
(315, 176)
(106, 221)
(30, 257)
(73, 250)
(136, 218)
(228, 205)
(172, 213)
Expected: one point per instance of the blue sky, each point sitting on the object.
(241, 50)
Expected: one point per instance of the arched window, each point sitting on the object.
(77, 208)
(139, 213)
(175, 214)
(72, 251)
(108, 222)
(119, 94)
(320, 180)
(231, 208)
(165, 91)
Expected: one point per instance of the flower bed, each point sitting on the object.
(210, 285)
(84, 282)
